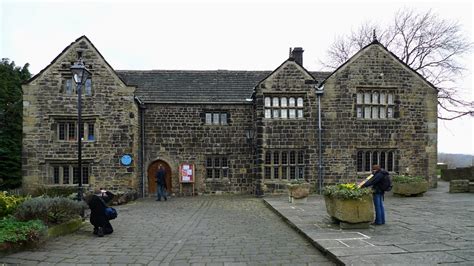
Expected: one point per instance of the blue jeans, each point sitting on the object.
(379, 210)
(161, 192)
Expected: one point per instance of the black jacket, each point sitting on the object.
(376, 181)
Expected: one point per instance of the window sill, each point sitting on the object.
(215, 180)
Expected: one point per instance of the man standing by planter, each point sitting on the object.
(376, 183)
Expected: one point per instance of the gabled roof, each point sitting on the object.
(196, 86)
(319, 74)
(376, 42)
(64, 51)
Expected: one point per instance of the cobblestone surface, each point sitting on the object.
(206, 230)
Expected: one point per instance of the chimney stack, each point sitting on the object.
(297, 54)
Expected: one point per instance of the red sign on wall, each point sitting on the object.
(186, 173)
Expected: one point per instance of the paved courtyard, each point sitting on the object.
(437, 228)
(211, 230)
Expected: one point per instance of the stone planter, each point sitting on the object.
(351, 211)
(65, 228)
(410, 189)
(298, 193)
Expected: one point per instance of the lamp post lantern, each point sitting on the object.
(80, 74)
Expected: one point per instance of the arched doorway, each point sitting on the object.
(152, 169)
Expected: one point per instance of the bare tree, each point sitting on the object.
(432, 46)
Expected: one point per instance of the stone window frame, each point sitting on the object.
(69, 87)
(217, 167)
(57, 172)
(280, 106)
(64, 125)
(216, 114)
(284, 164)
(386, 158)
(375, 104)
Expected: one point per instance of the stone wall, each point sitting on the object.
(176, 133)
(458, 173)
(111, 107)
(277, 134)
(412, 132)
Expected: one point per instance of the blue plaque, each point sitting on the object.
(126, 160)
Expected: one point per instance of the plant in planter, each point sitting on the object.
(298, 190)
(405, 185)
(349, 204)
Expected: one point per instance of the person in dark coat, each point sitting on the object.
(378, 194)
(161, 183)
(97, 203)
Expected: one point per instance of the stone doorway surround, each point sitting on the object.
(152, 169)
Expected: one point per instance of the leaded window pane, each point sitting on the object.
(268, 157)
(209, 162)
(62, 131)
(359, 161)
(300, 113)
(268, 113)
(383, 112)
(284, 157)
(284, 172)
(390, 112)
(359, 112)
(284, 113)
(368, 167)
(56, 175)
(66, 175)
(276, 158)
(292, 157)
(276, 113)
(300, 172)
(208, 118)
(375, 98)
(90, 132)
(375, 112)
(375, 158)
(292, 113)
(300, 102)
(268, 172)
(367, 112)
(359, 98)
(390, 98)
(223, 119)
(292, 172)
(268, 102)
(382, 98)
(215, 119)
(367, 97)
(276, 173)
(291, 102)
(390, 162)
(300, 157)
(284, 102)
(88, 87)
(72, 131)
(382, 160)
(276, 101)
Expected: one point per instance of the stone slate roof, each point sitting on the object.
(200, 86)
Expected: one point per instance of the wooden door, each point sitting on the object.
(152, 169)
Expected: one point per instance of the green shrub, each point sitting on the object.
(346, 191)
(50, 210)
(404, 179)
(17, 232)
(57, 191)
(9, 203)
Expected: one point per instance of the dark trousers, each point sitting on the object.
(161, 192)
(379, 210)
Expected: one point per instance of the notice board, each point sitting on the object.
(186, 173)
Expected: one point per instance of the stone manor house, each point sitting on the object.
(240, 130)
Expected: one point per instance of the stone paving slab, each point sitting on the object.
(205, 230)
(437, 228)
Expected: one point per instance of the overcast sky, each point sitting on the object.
(236, 35)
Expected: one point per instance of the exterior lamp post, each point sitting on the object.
(80, 74)
(250, 135)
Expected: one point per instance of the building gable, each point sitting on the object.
(289, 75)
(81, 44)
(376, 45)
